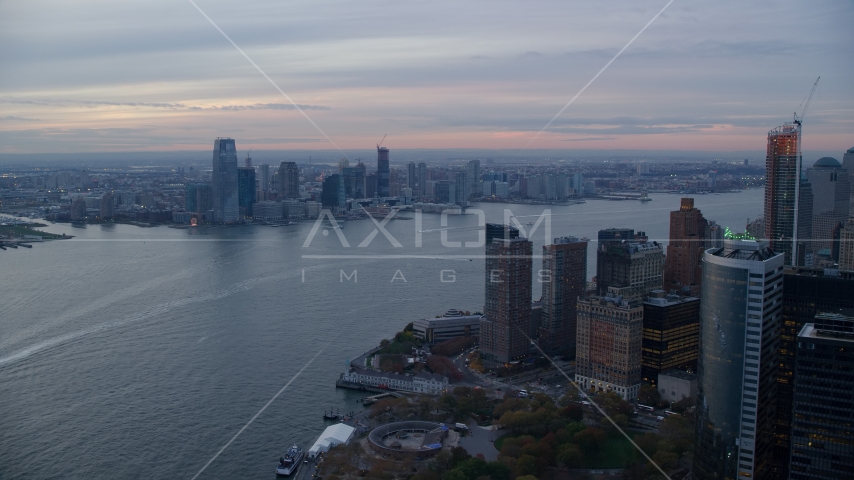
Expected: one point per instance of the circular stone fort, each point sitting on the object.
(414, 439)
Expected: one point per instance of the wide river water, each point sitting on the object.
(132, 352)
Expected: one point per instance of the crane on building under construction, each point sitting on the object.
(381, 141)
(800, 118)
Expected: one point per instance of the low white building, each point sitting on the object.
(676, 385)
(452, 325)
(429, 383)
(337, 434)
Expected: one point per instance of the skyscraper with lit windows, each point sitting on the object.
(226, 208)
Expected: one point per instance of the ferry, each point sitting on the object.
(290, 462)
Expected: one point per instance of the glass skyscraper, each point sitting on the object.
(382, 172)
(783, 172)
(224, 181)
(740, 318)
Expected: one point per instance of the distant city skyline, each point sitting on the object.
(158, 77)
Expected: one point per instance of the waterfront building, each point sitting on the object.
(671, 334)
(245, 190)
(676, 385)
(507, 309)
(333, 195)
(608, 354)
(382, 172)
(783, 172)
(444, 191)
(338, 434)
(427, 383)
(452, 324)
(822, 433)
(204, 200)
(412, 176)
(683, 267)
(422, 180)
(226, 208)
(288, 180)
(190, 198)
(264, 177)
(267, 210)
(461, 188)
(354, 181)
(108, 202)
(740, 319)
(806, 292)
(564, 279)
(629, 268)
(473, 176)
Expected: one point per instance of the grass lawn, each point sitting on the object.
(615, 453)
(20, 231)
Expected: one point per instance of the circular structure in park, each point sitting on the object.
(408, 439)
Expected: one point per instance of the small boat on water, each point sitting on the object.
(330, 415)
(290, 462)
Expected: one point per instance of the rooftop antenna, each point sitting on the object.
(248, 162)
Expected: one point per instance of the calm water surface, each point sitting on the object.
(133, 352)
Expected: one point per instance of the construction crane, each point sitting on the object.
(381, 141)
(800, 119)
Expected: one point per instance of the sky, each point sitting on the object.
(106, 76)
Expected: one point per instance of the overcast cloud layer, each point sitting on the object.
(87, 76)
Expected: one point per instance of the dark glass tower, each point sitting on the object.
(806, 293)
(226, 208)
(737, 369)
(333, 195)
(382, 172)
(822, 435)
(246, 190)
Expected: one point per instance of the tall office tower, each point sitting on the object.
(204, 200)
(333, 196)
(288, 180)
(631, 269)
(848, 164)
(608, 355)
(354, 181)
(371, 185)
(412, 176)
(473, 175)
(805, 245)
(782, 174)
(683, 266)
(565, 279)
(190, 198)
(507, 312)
(461, 188)
(108, 202)
(245, 190)
(578, 183)
(822, 437)
(806, 292)
(422, 179)
(382, 172)
(737, 367)
(226, 208)
(671, 334)
(831, 191)
(444, 191)
(264, 177)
